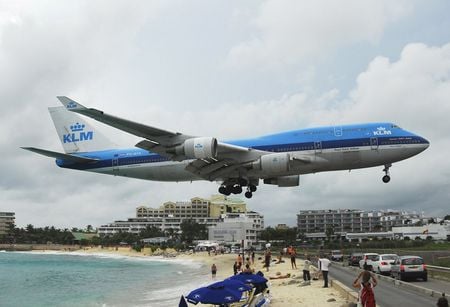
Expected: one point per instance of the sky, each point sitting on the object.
(227, 69)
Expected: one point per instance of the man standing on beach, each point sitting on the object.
(324, 264)
(306, 274)
(213, 271)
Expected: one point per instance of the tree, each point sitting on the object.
(191, 230)
(329, 232)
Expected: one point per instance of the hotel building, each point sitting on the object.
(6, 220)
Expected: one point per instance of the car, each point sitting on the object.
(382, 264)
(336, 255)
(367, 260)
(406, 267)
(353, 259)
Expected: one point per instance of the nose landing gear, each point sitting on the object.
(386, 177)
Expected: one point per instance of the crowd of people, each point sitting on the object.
(365, 282)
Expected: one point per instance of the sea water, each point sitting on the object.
(77, 279)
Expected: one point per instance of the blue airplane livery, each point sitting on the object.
(277, 159)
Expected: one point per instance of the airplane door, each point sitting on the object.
(318, 147)
(115, 164)
(374, 143)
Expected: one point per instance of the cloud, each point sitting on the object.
(288, 32)
(131, 61)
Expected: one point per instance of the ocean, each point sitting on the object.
(77, 279)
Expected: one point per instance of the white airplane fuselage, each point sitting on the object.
(305, 151)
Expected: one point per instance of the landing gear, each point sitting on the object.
(386, 178)
(236, 188)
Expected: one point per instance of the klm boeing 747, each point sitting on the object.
(277, 159)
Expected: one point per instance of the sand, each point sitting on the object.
(284, 291)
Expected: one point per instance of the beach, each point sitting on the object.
(284, 291)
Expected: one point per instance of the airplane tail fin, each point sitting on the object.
(76, 134)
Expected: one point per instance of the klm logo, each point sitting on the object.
(198, 146)
(78, 134)
(382, 131)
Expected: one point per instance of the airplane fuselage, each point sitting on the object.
(309, 150)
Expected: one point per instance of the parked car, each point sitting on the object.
(406, 267)
(353, 259)
(382, 265)
(367, 259)
(336, 255)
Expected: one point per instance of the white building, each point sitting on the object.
(435, 231)
(237, 228)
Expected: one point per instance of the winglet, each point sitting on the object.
(70, 104)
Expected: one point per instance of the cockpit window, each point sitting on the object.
(395, 126)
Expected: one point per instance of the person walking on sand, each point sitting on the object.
(366, 295)
(324, 264)
(253, 257)
(213, 271)
(267, 257)
(306, 275)
(293, 255)
(235, 268)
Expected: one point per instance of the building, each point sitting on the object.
(6, 221)
(433, 231)
(237, 228)
(196, 208)
(170, 215)
(319, 224)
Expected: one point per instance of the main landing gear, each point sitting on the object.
(237, 189)
(386, 177)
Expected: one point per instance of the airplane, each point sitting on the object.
(277, 159)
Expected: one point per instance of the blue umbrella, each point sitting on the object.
(222, 292)
(249, 278)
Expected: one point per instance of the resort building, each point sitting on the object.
(319, 224)
(170, 215)
(6, 221)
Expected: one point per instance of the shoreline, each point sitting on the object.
(283, 291)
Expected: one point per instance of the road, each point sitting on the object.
(388, 295)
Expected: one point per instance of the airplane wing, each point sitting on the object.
(212, 159)
(58, 155)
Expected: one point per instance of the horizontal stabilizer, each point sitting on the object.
(58, 155)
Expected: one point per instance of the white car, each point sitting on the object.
(382, 265)
(367, 259)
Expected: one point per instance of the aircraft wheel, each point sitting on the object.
(386, 178)
(252, 188)
(222, 189)
(237, 189)
(248, 194)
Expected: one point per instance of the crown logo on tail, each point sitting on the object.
(77, 127)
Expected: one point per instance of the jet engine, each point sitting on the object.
(274, 163)
(198, 148)
(284, 181)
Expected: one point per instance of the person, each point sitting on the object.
(253, 257)
(279, 276)
(306, 275)
(239, 261)
(324, 264)
(248, 269)
(366, 295)
(235, 268)
(267, 256)
(293, 255)
(213, 270)
(442, 301)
